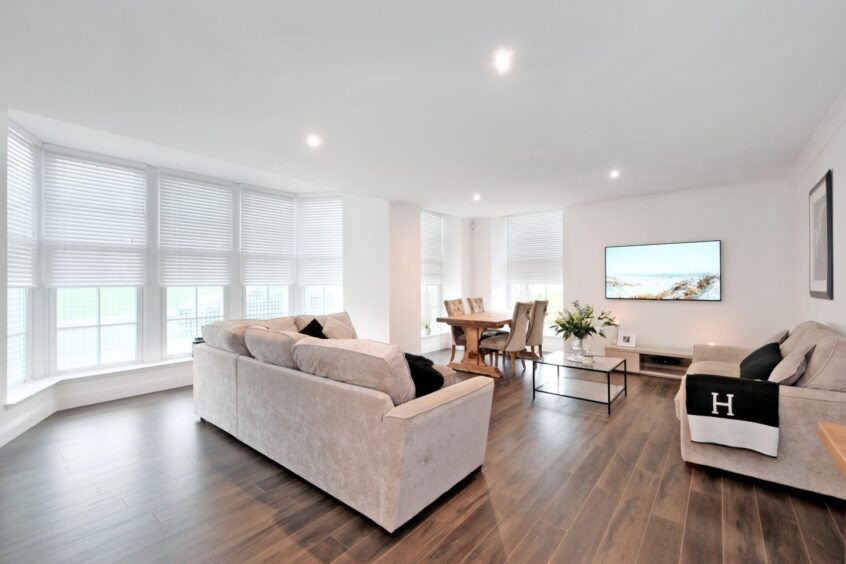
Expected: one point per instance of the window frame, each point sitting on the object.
(165, 319)
(28, 334)
(53, 333)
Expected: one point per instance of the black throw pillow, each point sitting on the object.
(426, 378)
(313, 329)
(761, 363)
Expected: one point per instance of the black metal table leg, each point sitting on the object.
(534, 366)
(608, 375)
(625, 378)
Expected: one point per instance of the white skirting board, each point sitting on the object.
(16, 419)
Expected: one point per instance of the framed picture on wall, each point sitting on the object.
(821, 268)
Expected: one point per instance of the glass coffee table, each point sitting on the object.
(603, 392)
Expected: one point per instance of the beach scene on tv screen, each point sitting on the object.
(677, 271)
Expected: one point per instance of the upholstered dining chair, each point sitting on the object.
(477, 305)
(456, 307)
(513, 342)
(534, 338)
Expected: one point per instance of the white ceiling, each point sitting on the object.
(674, 93)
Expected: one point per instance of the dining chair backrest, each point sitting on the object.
(519, 327)
(537, 316)
(477, 305)
(454, 307)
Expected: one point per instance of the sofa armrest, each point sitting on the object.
(435, 442)
(442, 398)
(720, 353)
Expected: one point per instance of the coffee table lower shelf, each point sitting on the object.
(605, 393)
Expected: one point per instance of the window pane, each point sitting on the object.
(118, 344)
(210, 302)
(17, 359)
(180, 336)
(18, 308)
(313, 300)
(76, 307)
(333, 299)
(277, 298)
(255, 302)
(76, 348)
(181, 302)
(118, 306)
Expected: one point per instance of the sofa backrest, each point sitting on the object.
(827, 366)
(229, 335)
(369, 364)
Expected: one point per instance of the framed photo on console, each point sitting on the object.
(627, 339)
(821, 252)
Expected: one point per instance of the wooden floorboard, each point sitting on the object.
(142, 480)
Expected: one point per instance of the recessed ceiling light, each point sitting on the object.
(503, 60)
(314, 141)
(614, 173)
(477, 197)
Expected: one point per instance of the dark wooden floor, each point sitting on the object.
(142, 480)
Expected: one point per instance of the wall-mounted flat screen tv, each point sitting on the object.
(672, 271)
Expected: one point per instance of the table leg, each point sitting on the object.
(534, 367)
(473, 361)
(625, 378)
(608, 374)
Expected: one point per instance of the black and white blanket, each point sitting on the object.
(733, 412)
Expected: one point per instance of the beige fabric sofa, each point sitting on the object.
(387, 462)
(802, 460)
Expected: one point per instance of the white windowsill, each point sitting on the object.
(20, 392)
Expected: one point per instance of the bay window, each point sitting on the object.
(431, 270)
(113, 262)
(320, 232)
(21, 230)
(534, 252)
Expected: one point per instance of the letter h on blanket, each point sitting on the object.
(747, 418)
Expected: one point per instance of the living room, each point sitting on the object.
(232, 230)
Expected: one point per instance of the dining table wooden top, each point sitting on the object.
(483, 319)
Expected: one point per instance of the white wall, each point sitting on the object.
(404, 221)
(367, 266)
(754, 221)
(826, 151)
(755, 224)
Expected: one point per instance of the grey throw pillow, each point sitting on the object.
(792, 367)
(778, 338)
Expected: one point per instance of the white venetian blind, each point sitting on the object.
(95, 222)
(21, 226)
(267, 238)
(195, 231)
(431, 247)
(534, 248)
(321, 244)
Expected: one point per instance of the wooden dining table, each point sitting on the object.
(473, 325)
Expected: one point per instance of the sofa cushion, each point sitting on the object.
(761, 362)
(280, 324)
(803, 334)
(313, 329)
(303, 320)
(715, 368)
(778, 338)
(336, 329)
(360, 362)
(827, 365)
(792, 367)
(426, 377)
(228, 335)
(274, 347)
